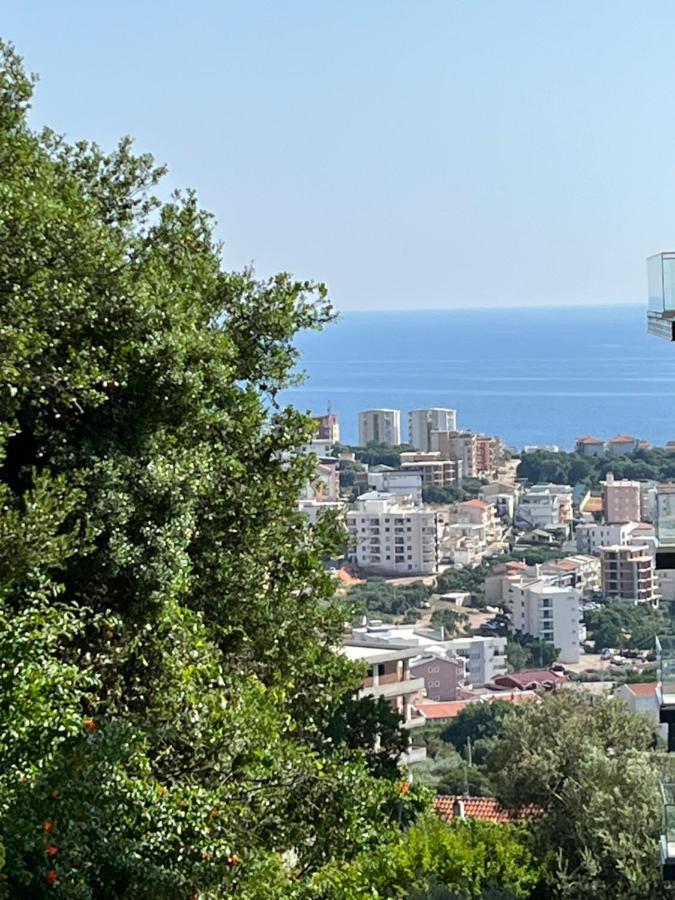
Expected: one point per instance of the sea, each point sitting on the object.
(532, 375)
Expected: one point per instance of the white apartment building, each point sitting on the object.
(628, 574)
(398, 482)
(421, 422)
(591, 537)
(620, 499)
(546, 506)
(389, 535)
(383, 426)
(547, 612)
(432, 469)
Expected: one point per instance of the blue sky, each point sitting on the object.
(411, 154)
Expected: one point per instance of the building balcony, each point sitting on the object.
(393, 689)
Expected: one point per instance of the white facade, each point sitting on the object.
(549, 613)
(383, 426)
(545, 506)
(421, 422)
(396, 482)
(388, 535)
(665, 514)
(591, 537)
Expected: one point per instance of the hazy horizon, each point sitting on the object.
(445, 154)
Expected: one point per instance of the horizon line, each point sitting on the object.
(501, 306)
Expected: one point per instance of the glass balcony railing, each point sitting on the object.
(665, 654)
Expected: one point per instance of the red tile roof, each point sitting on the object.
(622, 439)
(477, 504)
(487, 809)
(589, 440)
(642, 690)
(441, 710)
(530, 680)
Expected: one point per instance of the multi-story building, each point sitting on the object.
(547, 612)
(399, 482)
(590, 537)
(503, 495)
(478, 512)
(628, 574)
(328, 428)
(485, 656)
(383, 426)
(488, 452)
(421, 422)
(590, 446)
(546, 506)
(620, 499)
(443, 676)
(460, 445)
(581, 572)
(432, 469)
(389, 535)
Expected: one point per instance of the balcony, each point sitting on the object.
(394, 688)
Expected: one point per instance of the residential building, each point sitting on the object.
(503, 495)
(442, 675)
(590, 446)
(641, 698)
(628, 574)
(545, 506)
(462, 445)
(620, 500)
(484, 809)
(328, 428)
(433, 471)
(421, 422)
(485, 656)
(478, 512)
(388, 676)
(581, 572)
(547, 612)
(591, 537)
(665, 514)
(488, 453)
(399, 482)
(389, 535)
(648, 501)
(383, 426)
(314, 509)
(623, 444)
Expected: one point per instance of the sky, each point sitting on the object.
(422, 154)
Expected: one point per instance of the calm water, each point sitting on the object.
(529, 375)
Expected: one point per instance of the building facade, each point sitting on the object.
(547, 612)
(421, 422)
(390, 536)
(382, 426)
(442, 676)
(328, 428)
(620, 500)
(628, 574)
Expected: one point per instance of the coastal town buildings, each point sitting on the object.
(589, 446)
(591, 537)
(399, 482)
(328, 428)
(503, 496)
(461, 445)
(628, 574)
(421, 422)
(623, 444)
(547, 612)
(381, 426)
(665, 514)
(620, 499)
(388, 534)
(432, 469)
(545, 506)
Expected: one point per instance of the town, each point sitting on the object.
(471, 578)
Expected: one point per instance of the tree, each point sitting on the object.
(591, 768)
(479, 724)
(451, 620)
(516, 656)
(167, 631)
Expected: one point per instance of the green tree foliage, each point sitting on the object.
(539, 654)
(625, 625)
(469, 489)
(380, 596)
(381, 454)
(591, 767)
(460, 579)
(167, 631)
(465, 859)
(453, 621)
(656, 464)
(479, 724)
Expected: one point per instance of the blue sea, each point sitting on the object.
(530, 375)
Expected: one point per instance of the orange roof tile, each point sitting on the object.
(441, 710)
(477, 504)
(487, 809)
(621, 439)
(642, 690)
(589, 440)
